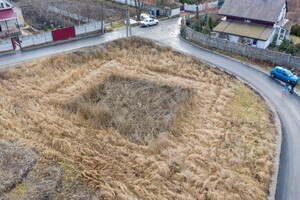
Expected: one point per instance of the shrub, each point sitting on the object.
(294, 49)
(284, 45)
(295, 30)
(210, 23)
(191, 2)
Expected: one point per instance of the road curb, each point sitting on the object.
(270, 107)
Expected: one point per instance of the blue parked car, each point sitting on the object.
(284, 75)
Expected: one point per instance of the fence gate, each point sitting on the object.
(13, 41)
(63, 34)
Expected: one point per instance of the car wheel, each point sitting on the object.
(290, 82)
(156, 23)
(147, 25)
(272, 75)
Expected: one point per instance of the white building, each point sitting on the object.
(257, 22)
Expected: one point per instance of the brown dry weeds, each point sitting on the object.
(212, 139)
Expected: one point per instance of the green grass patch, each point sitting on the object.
(69, 171)
(115, 25)
(246, 105)
(19, 190)
(295, 39)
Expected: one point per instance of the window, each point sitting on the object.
(282, 34)
(1, 5)
(0, 29)
(289, 73)
(7, 5)
(284, 74)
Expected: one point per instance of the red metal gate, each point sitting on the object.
(14, 43)
(63, 34)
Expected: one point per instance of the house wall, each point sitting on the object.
(241, 49)
(233, 38)
(261, 44)
(5, 5)
(282, 14)
(18, 11)
(251, 21)
(11, 25)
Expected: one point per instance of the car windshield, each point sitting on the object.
(289, 73)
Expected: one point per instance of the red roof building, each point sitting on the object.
(7, 14)
(9, 24)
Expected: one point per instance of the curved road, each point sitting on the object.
(287, 106)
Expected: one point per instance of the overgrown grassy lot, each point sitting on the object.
(136, 120)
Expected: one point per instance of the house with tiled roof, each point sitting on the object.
(10, 19)
(254, 22)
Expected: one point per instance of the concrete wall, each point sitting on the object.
(241, 49)
(175, 12)
(39, 39)
(33, 40)
(201, 7)
(6, 46)
(129, 2)
(88, 28)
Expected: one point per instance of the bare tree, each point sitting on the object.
(138, 7)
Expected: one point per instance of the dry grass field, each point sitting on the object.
(136, 120)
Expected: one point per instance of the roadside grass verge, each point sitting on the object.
(115, 25)
(135, 119)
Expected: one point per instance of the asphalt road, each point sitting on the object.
(287, 106)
